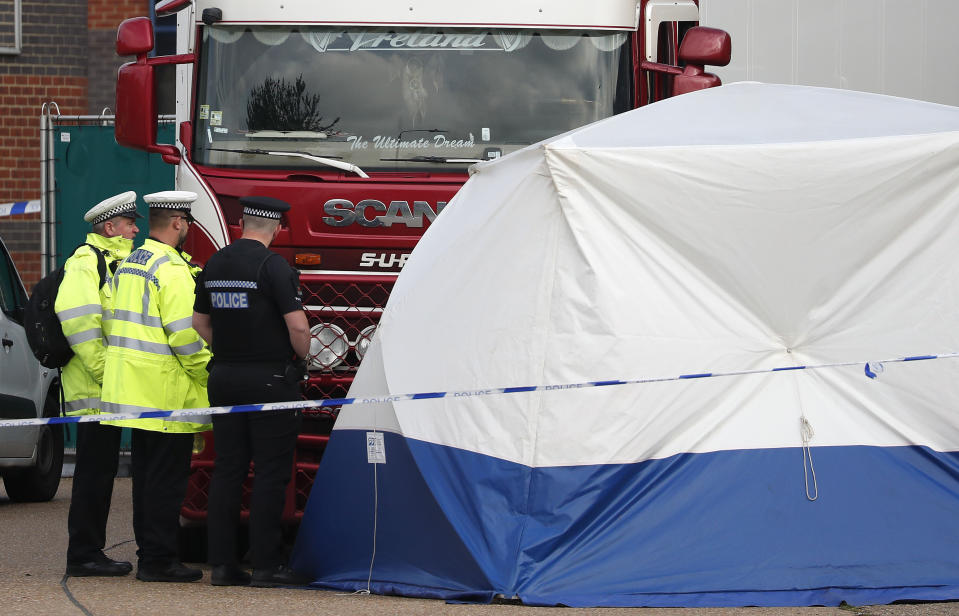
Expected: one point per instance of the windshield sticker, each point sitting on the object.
(204, 112)
(385, 142)
(398, 41)
(221, 129)
(484, 134)
(216, 118)
(421, 40)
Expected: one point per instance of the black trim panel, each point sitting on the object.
(14, 407)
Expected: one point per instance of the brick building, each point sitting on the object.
(65, 54)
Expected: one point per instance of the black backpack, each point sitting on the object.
(44, 334)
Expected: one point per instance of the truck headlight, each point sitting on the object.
(328, 346)
(363, 342)
(199, 443)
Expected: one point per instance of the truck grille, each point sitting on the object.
(351, 309)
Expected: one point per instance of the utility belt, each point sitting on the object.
(289, 371)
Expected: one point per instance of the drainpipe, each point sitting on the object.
(51, 192)
(45, 190)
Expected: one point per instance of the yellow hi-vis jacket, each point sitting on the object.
(80, 306)
(155, 360)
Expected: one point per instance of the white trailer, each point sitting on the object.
(902, 48)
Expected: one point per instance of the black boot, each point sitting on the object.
(170, 572)
(280, 575)
(229, 575)
(100, 566)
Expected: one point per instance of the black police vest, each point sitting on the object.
(247, 325)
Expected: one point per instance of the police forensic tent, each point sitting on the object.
(751, 253)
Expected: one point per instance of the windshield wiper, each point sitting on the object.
(330, 162)
(420, 130)
(436, 159)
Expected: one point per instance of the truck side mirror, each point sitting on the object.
(135, 37)
(136, 107)
(136, 110)
(701, 46)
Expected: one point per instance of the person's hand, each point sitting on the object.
(301, 370)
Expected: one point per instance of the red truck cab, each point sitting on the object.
(365, 117)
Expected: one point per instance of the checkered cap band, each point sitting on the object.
(119, 210)
(252, 211)
(171, 205)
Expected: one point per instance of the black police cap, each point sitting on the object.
(264, 207)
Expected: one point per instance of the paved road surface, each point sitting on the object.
(33, 543)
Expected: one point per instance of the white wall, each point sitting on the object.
(904, 48)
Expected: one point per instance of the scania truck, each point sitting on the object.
(365, 116)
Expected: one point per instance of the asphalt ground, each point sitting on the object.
(33, 539)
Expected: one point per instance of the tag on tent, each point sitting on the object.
(375, 448)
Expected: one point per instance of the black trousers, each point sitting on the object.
(266, 438)
(161, 469)
(98, 456)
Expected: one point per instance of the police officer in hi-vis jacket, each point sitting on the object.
(156, 361)
(82, 301)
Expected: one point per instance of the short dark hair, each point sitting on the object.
(161, 217)
(259, 224)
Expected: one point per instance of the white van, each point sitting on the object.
(31, 458)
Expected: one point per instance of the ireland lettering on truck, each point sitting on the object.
(365, 116)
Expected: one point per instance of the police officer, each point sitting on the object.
(81, 303)
(156, 361)
(248, 308)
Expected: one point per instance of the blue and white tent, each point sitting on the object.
(744, 228)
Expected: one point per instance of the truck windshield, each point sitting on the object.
(399, 100)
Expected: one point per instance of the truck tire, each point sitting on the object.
(40, 482)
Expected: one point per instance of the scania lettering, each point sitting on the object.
(342, 213)
(366, 116)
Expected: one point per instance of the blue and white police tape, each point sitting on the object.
(872, 370)
(19, 207)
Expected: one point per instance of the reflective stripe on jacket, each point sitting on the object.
(155, 360)
(80, 306)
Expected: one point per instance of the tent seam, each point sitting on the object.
(539, 396)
